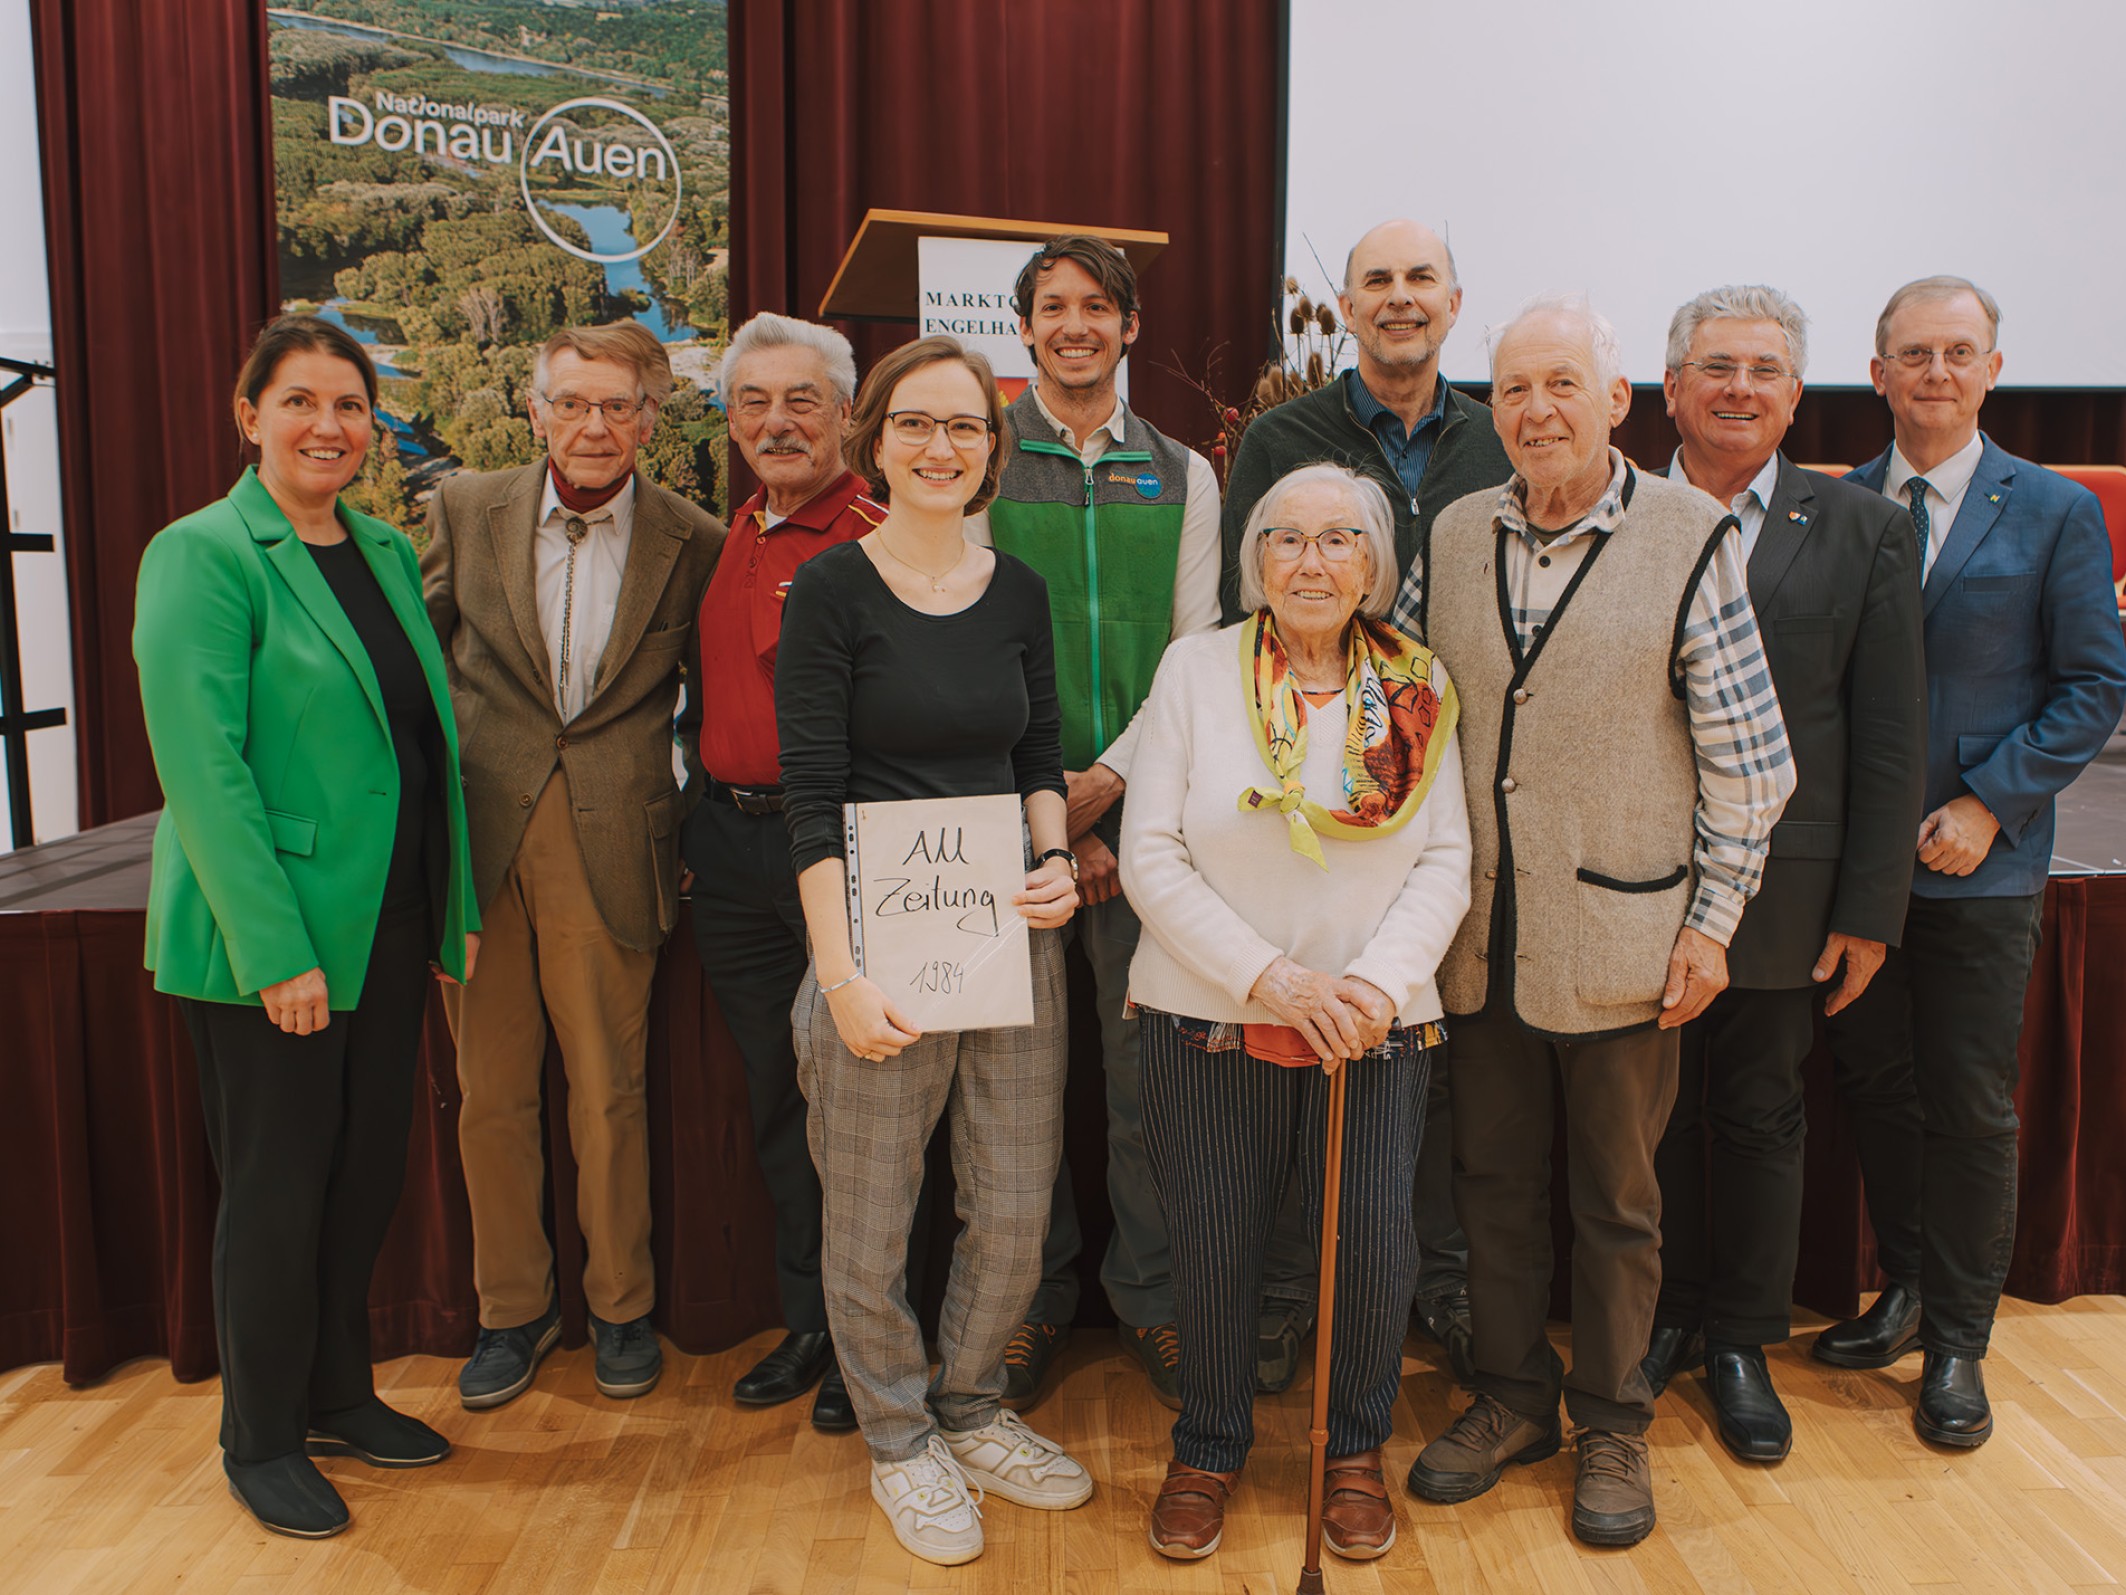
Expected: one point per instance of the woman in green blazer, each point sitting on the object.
(310, 868)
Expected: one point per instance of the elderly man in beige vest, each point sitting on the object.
(1626, 761)
(565, 594)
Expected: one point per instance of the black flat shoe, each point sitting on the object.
(831, 1411)
(1668, 1353)
(375, 1434)
(1953, 1409)
(1887, 1331)
(1753, 1422)
(787, 1372)
(288, 1496)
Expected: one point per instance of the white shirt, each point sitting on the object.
(1195, 565)
(1749, 505)
(1946, 485)
(601, 560)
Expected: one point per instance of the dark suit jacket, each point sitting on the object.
(1834, 579)
(2026, 669)
(478, 573)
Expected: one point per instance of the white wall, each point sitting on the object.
(29, 431)
(1646, 150)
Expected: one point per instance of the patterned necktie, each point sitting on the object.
(576, 530)
(1916, 490)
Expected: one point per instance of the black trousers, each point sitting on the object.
(1926, 1065)
(309, 1136)
(749, 928)
(1224, 1132)
(1731, 1223)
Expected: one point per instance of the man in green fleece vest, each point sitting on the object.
(1391, 418)
(1122, 523)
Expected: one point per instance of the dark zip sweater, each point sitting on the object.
(1466, 458)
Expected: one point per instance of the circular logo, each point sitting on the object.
(595, 168)
(1148, 485)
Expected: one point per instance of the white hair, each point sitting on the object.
(767, 330)
(1740, 302)
(1601, 336)
(1372, 517)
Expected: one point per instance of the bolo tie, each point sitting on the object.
(577, 530)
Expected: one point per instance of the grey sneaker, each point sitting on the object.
(504, 1360)
(1444, 1320)
(1281, 1329)
(629, 1358)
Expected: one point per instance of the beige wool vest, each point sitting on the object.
(1583, 783)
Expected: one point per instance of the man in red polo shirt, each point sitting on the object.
(787, 387)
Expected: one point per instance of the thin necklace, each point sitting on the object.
(937, 582)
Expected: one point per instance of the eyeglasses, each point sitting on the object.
(918, 427)
(570, 408)
(1763, 375)
(1958, 356)
(1337, 543)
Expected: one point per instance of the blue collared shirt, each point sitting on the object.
(1408, 450)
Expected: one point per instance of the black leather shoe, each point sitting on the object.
(1953, 1409)
(1668, 1353)
(1753, 1422)
(287, 1495)
(1877, 1338)
(787, 1372)
(831, 1411)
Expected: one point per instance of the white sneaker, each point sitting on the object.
(1008, 1459)
(935, 1511)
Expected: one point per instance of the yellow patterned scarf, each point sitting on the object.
(1402, 713)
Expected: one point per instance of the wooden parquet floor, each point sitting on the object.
(119, 1488)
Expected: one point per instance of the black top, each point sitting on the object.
(875, 701)
(407, 706)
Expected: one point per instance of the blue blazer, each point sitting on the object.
(2026, 667)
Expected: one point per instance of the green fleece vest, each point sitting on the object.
(1106, 538)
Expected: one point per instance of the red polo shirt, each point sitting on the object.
(741, 623)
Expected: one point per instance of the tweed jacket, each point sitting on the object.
(478, 574)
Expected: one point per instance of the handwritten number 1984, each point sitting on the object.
(940, 975)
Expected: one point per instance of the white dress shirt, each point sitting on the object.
(1749, 505)
(1946, 485)
(601, 560)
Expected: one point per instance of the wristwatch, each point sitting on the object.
(1066, 855)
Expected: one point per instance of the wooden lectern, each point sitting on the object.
(877, 279)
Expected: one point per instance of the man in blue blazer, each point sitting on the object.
(2026, 676)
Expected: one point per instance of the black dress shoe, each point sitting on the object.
(831, 1411)
(1878, 1337)
(1753, 1423)
(1668, 1353)
(287, 1495)
(375, 1434)
(1953, 1409)
(787, 1372)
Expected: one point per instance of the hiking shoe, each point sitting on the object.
(504, 1360)
(1444, 1320)
(935, 1510)
(1613, 1496)
(1005, 1458)
(1028, 1356)
(1158, 1351)
(1280, 1331)
(1467, 1460)
(629, 1358)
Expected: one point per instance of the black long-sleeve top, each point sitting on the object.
(875, 701)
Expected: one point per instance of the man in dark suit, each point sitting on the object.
(2026, 674)
(1834, 578)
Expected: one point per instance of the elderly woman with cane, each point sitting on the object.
(1297, 845)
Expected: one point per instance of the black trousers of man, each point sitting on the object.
(1926, 1064)
(1731, 1222)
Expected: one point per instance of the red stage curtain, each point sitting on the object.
(159, 209)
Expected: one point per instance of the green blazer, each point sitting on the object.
(280, 786)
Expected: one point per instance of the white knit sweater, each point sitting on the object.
(1219, 889)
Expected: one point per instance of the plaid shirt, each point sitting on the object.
(1745, 768)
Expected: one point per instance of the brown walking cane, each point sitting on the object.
(1332, 1182)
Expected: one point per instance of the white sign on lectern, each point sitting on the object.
(965, 290)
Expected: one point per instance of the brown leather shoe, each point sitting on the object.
(1467, 1460)
(1357, 1518)
(1188, 1518)
(1613, 1497)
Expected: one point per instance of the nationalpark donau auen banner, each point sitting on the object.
(458, 178)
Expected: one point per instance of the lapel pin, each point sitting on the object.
(1993, 498)
(1796, 515)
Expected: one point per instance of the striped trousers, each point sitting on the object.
(1225, 1132)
